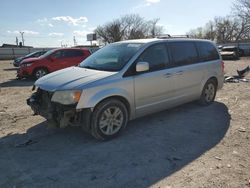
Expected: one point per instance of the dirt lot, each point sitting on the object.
(189, 146)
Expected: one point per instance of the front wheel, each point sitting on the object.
(208, 92)
(40, 72)
(109, 118)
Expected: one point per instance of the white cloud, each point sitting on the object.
(26, 32)
(30, 32)
(13, 32)
(150, 2)
(70, 20)
(56, 34)
(153, 1)
(43, 20)
(50, 22)
(136, 8)
(83, 33)
(80, 33)
(145, 4)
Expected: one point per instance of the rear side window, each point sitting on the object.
(58, 54)
(156, 56)
(73, 53)
(183, 53)
(207, 51)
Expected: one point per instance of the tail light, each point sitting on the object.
(222, 67)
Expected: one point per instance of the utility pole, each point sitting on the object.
(74, 40)
(16, 41)
(21, 32)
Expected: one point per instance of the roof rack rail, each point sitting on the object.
(172, 36)
(165, 36)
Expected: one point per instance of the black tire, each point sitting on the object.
(236, 57)
(52, 124)
(208, 93)
(111, 113)
(40, 72)
(241, 53)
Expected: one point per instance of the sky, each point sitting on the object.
(50, 23)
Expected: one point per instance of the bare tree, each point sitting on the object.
(234, 27)
(241, 10)
(196, 33)
(223, 29)
(111, 32)
(154, 29)
(210, 31)
(128, 27)
(135, 26)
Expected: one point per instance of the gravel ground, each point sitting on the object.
(188, 146)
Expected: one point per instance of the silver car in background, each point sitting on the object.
(126, 80)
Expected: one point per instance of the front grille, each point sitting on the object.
(44, 98)
(41, 104)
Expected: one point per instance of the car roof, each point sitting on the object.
(149, 40)
(71, 49)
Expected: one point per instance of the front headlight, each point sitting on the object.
(26, 65)
(66, 97)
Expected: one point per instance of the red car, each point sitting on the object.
(51, 61)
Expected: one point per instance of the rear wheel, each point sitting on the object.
(208, 92)
(40, 72)
(109, 118)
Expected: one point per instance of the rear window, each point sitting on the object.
(183, 53)
(207, 51)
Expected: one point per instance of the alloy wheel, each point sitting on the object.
(111, 120)
(209, 92)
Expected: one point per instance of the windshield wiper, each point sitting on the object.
(94, 68)
(89, 67)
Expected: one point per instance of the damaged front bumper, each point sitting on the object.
(57, 114)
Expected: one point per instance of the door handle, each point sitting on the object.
(168, 75)
(178, 73)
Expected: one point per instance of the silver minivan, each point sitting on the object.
(126, 80)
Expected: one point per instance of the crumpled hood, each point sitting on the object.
(70, 78)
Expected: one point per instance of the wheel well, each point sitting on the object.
(39, 68)
(120, 98)
(214, 79)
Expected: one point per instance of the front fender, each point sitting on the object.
(90, 99)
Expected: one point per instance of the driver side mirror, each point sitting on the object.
(142, 66)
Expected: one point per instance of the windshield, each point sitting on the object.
(112, 57)
(31, 54)
(47, 53)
